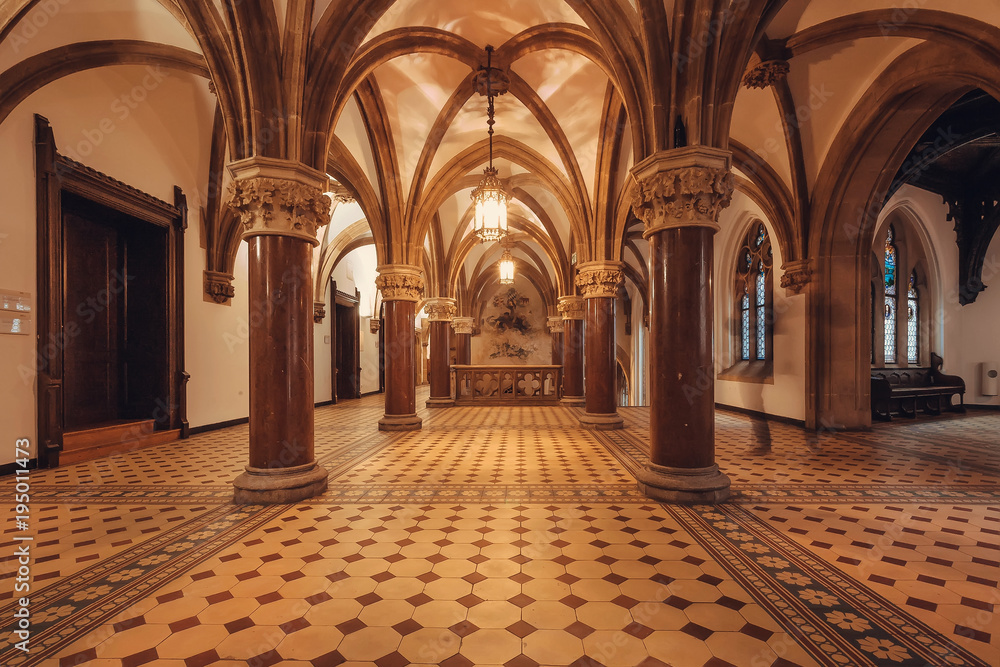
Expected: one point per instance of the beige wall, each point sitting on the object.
(783, 395)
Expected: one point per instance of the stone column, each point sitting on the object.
(280, 205)
(402, 286)
(573, 309)
(679, 197)
(598, 282)
(440, 312)
(463, 345)
(555, 325)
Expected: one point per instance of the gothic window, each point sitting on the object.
(912, 321)
(891, 257)
(753, 290)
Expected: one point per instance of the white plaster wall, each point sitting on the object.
(161, 141)
(785, 396)
(964, 336)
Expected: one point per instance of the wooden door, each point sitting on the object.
(347, 352)
(93, 287)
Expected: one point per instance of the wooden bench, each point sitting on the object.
(903, 391)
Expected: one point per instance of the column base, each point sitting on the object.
(684, 485)
(573, 401)
(400, 423)
(602, 422)
(440, 402)
(274, 486)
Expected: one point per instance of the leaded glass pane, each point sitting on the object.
(761, 316)
(745, 326)
(761, 236)
(890, 263)
(890, 329)
(912, 321)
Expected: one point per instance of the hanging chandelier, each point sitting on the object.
(506, 266)
(490, 197)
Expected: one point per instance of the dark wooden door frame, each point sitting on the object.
(54, 175)
(350, 301)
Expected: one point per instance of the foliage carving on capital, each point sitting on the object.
(599, 282)
(684, 196)
(274, 206)
(440, 310)
(766, 73)
(572, 308)
(555, 325)
(400, 286)
(463, 325)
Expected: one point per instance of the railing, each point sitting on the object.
(507, 385)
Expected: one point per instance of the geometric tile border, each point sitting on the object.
(839, 620)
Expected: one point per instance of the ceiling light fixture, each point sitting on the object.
(490, 197)
(506, 266)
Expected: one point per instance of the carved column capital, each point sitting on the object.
(319, 312)
(599, 279)
(572, 307)
(340, 194)
(219, 286)
(766, 73)
(400, 282)
(796, 275)
(555, 324)
(463, 325)
(685, 187)
(278, 198)
(440, 309)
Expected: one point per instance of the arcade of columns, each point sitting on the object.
(680, 194)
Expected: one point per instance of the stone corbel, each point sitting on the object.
(219, 286)
(555, 325)
(319, 312)
(766, 73)
(796, 275)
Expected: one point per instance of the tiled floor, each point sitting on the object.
(510, 536)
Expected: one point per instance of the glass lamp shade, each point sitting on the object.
(506, 268)
(491, 207)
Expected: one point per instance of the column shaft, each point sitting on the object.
(601, 400)
(463, 349)
(400, 392)
(573, 362)
(681, 382)
(281, 352)
(440, 367)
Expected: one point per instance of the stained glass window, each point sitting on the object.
(912, 322)
(745, 324)
(761, 316)
(890, 295)
(753, 278)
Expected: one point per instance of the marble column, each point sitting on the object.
(440, 312)
(280, 205)
(598, 282)
(573, 309)
(680, 195)
(402, 286)
(555, 325)
(463, 327)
